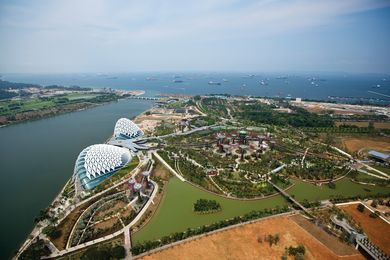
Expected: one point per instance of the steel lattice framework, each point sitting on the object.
(127, 129)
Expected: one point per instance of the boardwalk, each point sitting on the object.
(286, 195)
(168, 166)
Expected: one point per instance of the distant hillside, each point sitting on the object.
(12, 85)
(7, 85)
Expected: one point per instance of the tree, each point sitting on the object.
(360, 207)
(298, 252)
(374, 214)
(94, 253)
(332, 185)
(276, 239)
(329, 139)
(371, 126)
(52, 232)
(118, 252)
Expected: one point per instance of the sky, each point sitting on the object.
(77, 36)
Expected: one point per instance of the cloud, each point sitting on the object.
(164, 19)
(81, 28)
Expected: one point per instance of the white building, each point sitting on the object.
(98, 162)
(127, 129)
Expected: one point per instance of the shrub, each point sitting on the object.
(272, 239)
(374, 214)
(95, 254)
(296, 251)
(51, 232)
(360, 207)
(332, 185)
(118, 252)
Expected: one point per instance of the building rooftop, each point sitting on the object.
(97, 162)
(127, 129)
(379, 155)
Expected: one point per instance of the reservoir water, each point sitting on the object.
(37, 158)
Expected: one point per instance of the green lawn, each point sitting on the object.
(366, 178)
(344, 187)
(175, 213)
(74, 96)
(382, 169)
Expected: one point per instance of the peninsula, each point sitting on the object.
(20, 102)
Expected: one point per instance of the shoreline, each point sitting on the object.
(26, 242)
(63, 112)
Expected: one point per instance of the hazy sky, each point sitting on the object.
(204, 35)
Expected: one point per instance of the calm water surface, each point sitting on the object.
(37, 158)
(305, 85)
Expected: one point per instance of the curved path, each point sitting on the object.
(124, 230)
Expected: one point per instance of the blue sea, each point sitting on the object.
(321, 86)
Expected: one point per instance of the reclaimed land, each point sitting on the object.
(354, 144)
(243, 243)
(378, 125)
(175, 213)
(377, 230)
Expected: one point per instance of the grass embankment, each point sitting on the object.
(176, 213)
(382, 169)
(362, 177)
(344, 188)
(33, 104)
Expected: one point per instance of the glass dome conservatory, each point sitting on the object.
(98, 162)
(127, 129)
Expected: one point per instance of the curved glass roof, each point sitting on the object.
(127, 129)
(97, 162)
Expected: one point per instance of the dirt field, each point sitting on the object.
(379, 125)
(376, 229)
(353, 144)
(242, 243)
(107, 223)
(161, 172)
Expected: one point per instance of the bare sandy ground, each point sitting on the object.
(353, 144)
(377, 230)
(242, 243)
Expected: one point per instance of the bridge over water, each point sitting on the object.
(286, 195)
(144, 98)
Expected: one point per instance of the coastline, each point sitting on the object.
(62, 112)
(24, 244)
